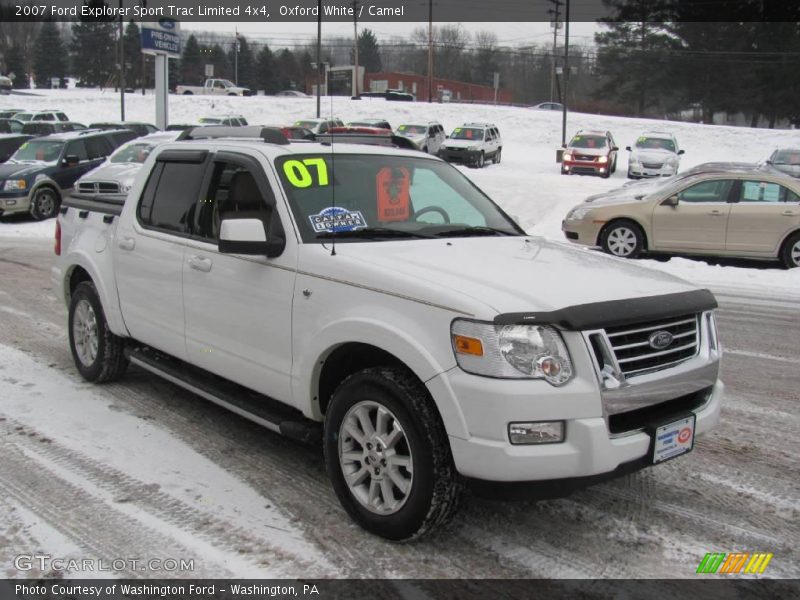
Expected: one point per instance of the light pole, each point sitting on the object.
(565, 99)
(319, 54)
(121, 64)
(430, 51)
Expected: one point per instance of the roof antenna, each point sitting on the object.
(333, 186)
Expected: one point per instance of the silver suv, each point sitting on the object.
(473, 144)
(427, 137)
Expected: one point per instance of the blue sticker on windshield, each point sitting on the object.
(336, 218)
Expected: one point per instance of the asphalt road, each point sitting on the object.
(738, 491)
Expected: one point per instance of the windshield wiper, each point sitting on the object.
(372, 233)
(474, 231)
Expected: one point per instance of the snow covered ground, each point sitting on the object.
(527, 184)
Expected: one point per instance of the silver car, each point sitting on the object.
(655, 154)
(786, 160)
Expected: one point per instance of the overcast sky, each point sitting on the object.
(510, 34)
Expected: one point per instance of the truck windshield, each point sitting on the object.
(136, 152)
(371, 198)
(41, 151)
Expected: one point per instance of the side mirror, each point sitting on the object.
(681, 152)
(628, 148)
(671, 201)
(70, 160)
(248, 236)
(614, 148)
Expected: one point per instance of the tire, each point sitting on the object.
(790, 252)
(188, 93)
(434, 488)
(45, 203)
(425, 149)
(622, 238)
(232, 94)
(98, 354)
(498, 156)
(480, 161)
(614, 165)
(630, 175)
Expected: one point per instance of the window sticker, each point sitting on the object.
(760, 191)
(402, 128)
(457, 130)
(336, 218)
(298, 173)
(392, 190)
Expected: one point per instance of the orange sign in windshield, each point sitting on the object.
(392, 190)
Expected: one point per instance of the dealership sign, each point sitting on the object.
(162, 37)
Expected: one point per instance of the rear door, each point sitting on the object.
(698, 222)
(149, 251)
(761, 216)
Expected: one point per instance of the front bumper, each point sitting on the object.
(584, 167)
(459, 155)
(14, 202)
(582, 232)
(639, 170)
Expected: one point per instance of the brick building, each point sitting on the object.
(418, 86)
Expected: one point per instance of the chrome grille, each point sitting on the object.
(98, 187)
(652, 165)
(585, 157)
(635, 354)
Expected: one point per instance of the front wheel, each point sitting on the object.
(388, 456)
(480, 161)
(45, 204)
(790, 254)
(623, 238)
(97, 352)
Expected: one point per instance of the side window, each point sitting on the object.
(763, 191)
(170, 196)
(232, 191)
(431, 132)
(62, 117)
(707, 191)
(323, 127)
(77, 148)
(97, 147)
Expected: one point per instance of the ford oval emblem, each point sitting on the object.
(167, 23)
(660, 340)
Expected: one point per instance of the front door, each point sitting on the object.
(239, 308)
(698, 222)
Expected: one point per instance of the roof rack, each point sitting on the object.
(372, 139)
(270, 135)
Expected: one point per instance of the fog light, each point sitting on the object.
(602, 170)
(537, 432)
(11, 202)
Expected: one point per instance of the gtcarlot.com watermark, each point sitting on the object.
(48, 562)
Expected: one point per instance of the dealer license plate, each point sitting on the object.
(673, 439)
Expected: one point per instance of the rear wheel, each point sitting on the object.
(188, 93)
(790, 254)
(623, 238)
(98, 353)
(498, 156)
(388, 456)
(45, 204)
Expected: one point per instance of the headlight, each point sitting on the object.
(125, 187)
(15, 184)
(576, 214)
(472, 148)
(567, 156)
(511, 351)
(602, 159)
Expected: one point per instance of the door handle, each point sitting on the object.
(789, 213)
(200, 264)
(126, 243)
(717, 213)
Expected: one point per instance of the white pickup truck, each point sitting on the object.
(214, 87)
(375, 301)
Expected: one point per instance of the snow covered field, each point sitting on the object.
(527, 184)
(141, 468)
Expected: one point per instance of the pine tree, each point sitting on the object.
(49, 60)
(369, 55)
(15, 63)
(218, 58)
(288, 73)
(265, 71)
(245, 65)
(133, 55)
(93, 49)
(192, 65)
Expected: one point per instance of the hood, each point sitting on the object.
(9, 170)
(451, 143)
(492, 275)
(118, 172)
(589, 151)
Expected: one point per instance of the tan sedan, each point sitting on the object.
(752, 214)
